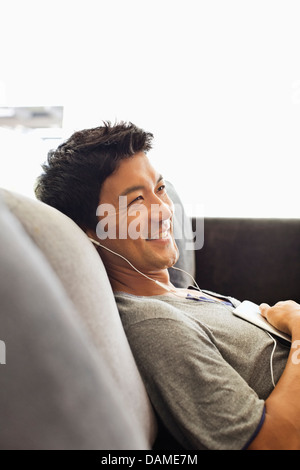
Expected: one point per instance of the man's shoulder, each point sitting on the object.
(135, 309)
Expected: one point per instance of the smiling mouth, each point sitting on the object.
(163, 234)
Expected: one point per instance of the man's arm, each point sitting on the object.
(281, 428)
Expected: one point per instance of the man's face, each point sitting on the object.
(142, 221)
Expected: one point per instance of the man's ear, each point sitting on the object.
(93, 238)
(90, 233)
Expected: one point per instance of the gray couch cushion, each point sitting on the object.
(56, 392)
(183, 235)
(80, 269)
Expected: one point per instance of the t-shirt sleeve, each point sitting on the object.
(200, 398)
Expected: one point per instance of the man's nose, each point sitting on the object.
(162, 210)
(167, 210)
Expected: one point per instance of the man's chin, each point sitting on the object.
(175, 259)
(172, 257)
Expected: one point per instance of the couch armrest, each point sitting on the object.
(56, 391)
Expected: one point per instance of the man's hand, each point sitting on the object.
(285, 315)
(281, 428)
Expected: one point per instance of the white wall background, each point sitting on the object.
(216, 81)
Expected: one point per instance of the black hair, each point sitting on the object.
(74, 173)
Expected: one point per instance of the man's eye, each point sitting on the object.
(162, 188)
(139, 198)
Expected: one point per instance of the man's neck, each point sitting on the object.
(129, 281)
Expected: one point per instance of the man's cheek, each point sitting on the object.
(137, 222)
(296, 354)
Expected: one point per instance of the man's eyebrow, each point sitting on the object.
(131, 189)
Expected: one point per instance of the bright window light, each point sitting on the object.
(218, 83)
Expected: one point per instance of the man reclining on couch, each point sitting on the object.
(206, 371)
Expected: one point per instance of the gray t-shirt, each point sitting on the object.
(207, 372)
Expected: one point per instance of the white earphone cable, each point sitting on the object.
(140, 272)
(271, 358)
